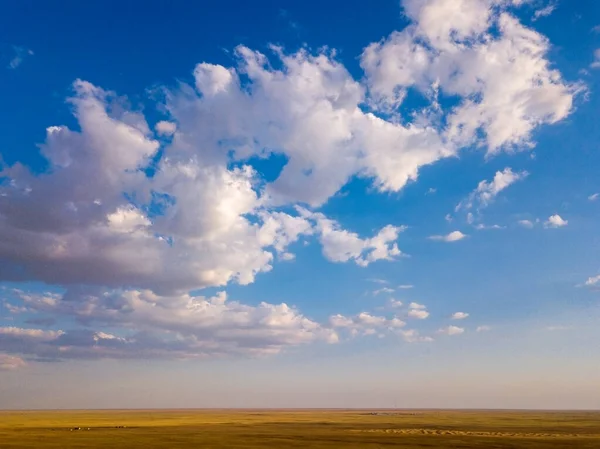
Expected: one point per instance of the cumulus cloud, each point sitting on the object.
(475, 50)
(340, 245)
(555, 221)
(157, 213)
(417, 311)
(199, 219)
(526, 223)
(451, 330)
(459, 316)
(416, 305)
(419, 314)
(177, 326)
(395, 304)
(365, 323)
(454, 236)
(165, 128)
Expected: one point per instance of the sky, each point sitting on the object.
(300, 204)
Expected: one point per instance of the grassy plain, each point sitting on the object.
(120, 429)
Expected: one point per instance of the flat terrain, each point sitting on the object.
(298, 429)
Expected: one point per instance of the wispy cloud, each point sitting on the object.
(544, 12)
(596, 63)
(11, 362)
(486, 191)
(558, 328)
(454, 236)
(20, 54)
(378, 281)
(593, 282)
(482, 227)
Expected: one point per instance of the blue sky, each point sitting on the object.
(301, 204)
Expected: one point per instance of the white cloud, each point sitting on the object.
(165, 128)
(556, 221)
(416, 305)
(417, 311)
(412, 335)
(406, 286)
(395, 304)
(205, 217)
(593, 281)
(593, 197)
(460, 316)
(526, 224)
(454, 236)
(483, 227)
(419, 314)
(545, 11)
(486, 191)
(451, 330)
(11, 362)
(34, 334)
(366, 324)
(176, 326)
(340, 245)
(210, 224)
(476, 50)
(596, 63)
(20, 54)
(287, 256)
(483, 328)
(378, 281)
(386, 290)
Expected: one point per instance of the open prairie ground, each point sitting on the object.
(298, 429)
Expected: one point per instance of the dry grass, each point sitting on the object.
(298, 429)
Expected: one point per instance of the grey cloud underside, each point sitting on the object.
(141, 324)
(205, 217)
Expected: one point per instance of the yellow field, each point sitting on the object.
(298, 429)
